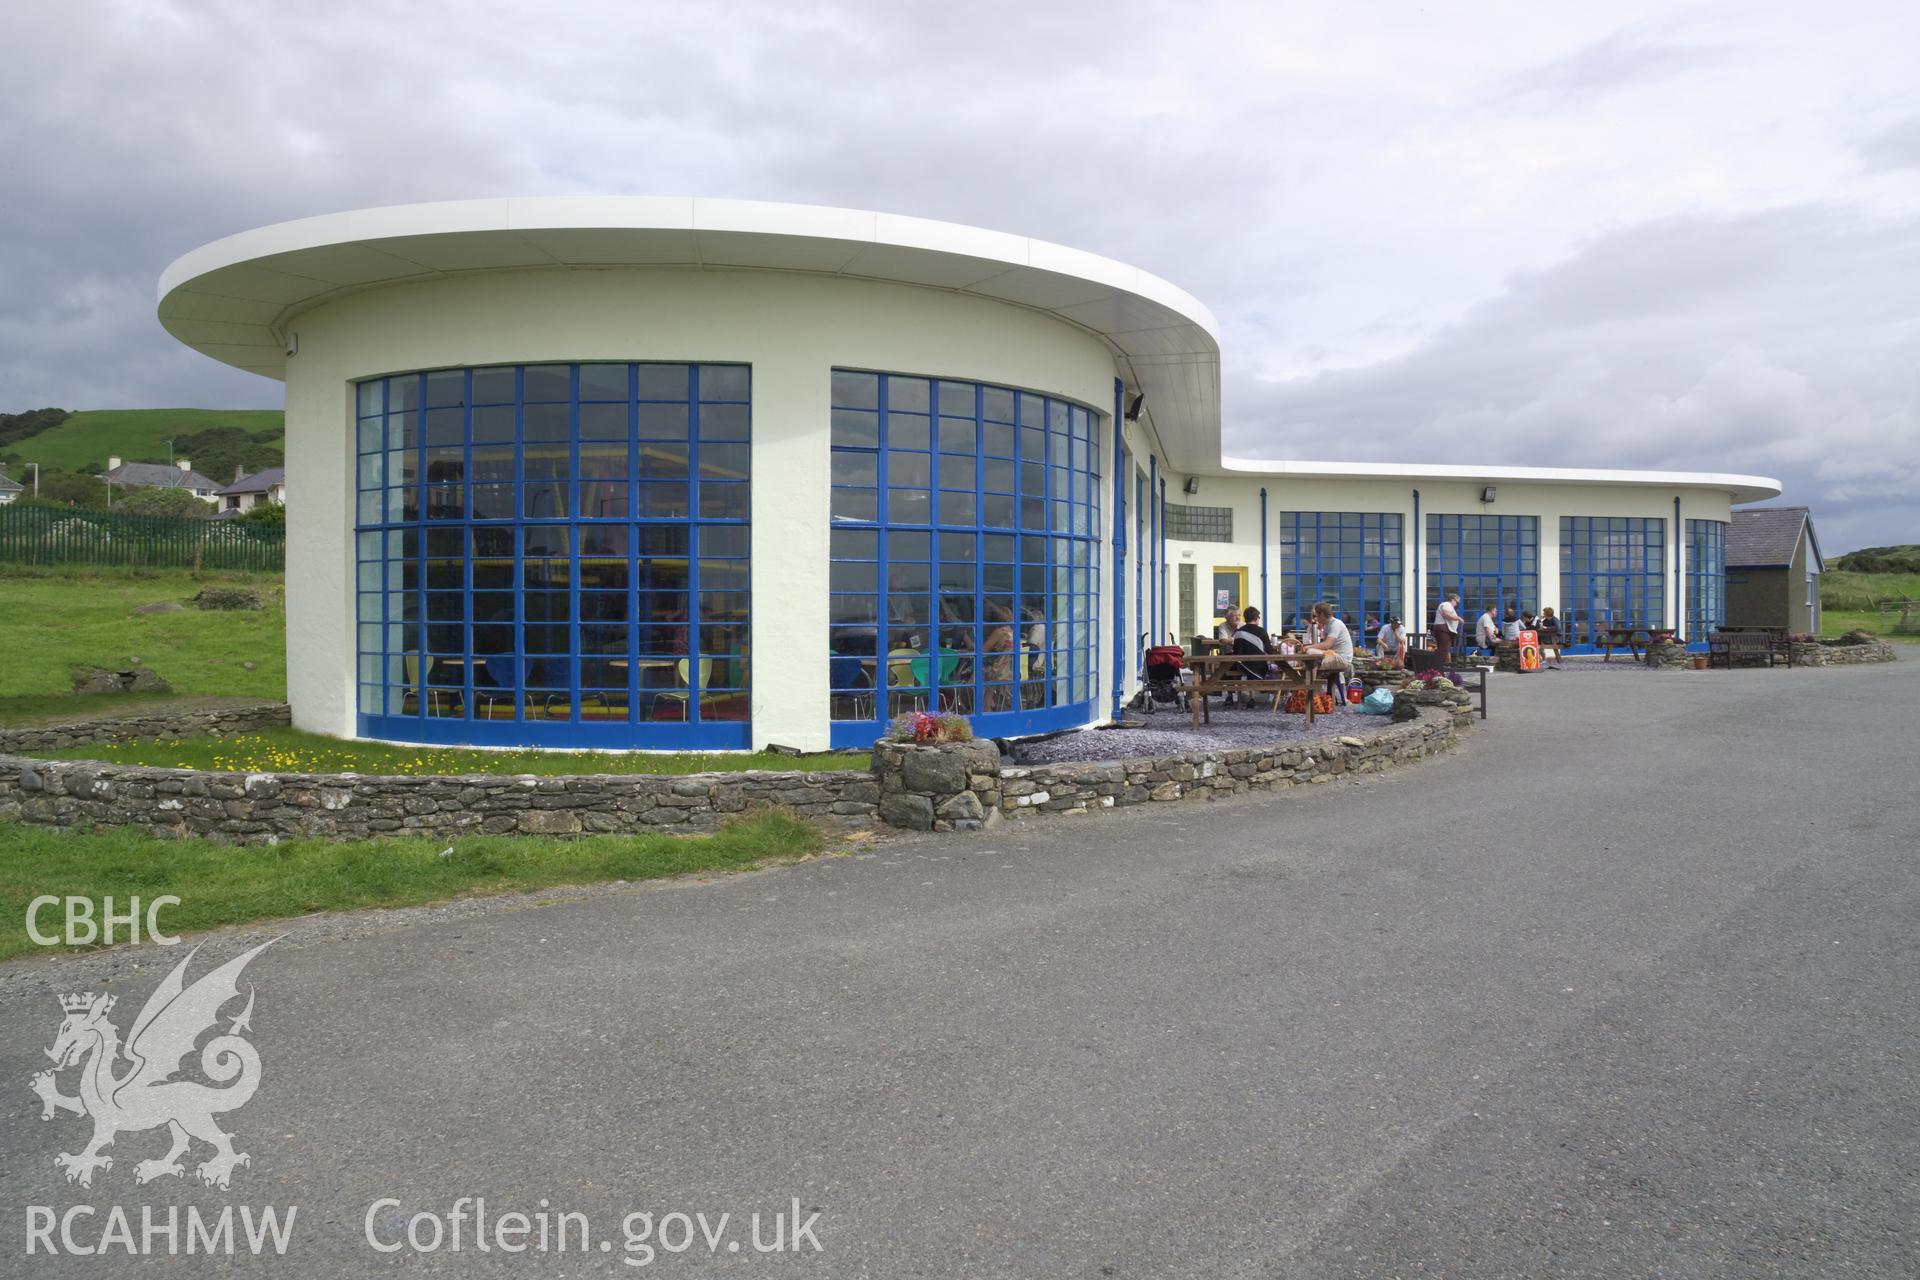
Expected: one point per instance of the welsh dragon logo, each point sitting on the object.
(146, 1095)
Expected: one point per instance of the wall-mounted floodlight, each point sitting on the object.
(1486, 494)
(1136, 406)
(1192, 485)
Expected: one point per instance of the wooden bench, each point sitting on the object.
(1748, 646)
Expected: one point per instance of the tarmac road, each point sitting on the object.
(1626, 986)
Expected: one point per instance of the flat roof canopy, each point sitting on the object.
(232, 299)
(1742, 488)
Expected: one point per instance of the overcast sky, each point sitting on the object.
(1631, 234)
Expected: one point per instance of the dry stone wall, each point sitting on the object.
(1815, 654)
(260, 808)
(1083, 787)
(961, 787)
(223, 722)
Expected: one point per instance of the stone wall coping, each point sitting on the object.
(403, 781)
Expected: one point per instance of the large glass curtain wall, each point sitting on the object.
(1706, 578)
(1350, 559)
(555, 555)
(965, 545)
(1490, 560)
(1612, 574)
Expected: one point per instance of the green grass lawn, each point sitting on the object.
(224, 884)
(1847, 602)
(295, 751)
(52, 619)
(94, 435)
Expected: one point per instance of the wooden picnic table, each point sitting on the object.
(1221, 673)
(1632, 639)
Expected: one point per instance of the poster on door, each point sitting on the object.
(1222, 598)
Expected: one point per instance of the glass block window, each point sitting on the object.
(1199, 524)
(555, 555)
(1189, 602)
(965, 556)
(1612, 574)
(1706, 577)
(1350, 559)
(1489, 560)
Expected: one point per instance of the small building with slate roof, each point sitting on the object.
(249, 491)
(154, 475)
(1773, 569)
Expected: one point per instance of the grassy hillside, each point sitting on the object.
(94, 435)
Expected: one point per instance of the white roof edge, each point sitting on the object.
(1742, 488)
(680, 213)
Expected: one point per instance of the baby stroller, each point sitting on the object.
(1161, 675)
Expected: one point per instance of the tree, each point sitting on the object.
(162, 502)
(218, 451)
(68, 489)
(18, 426)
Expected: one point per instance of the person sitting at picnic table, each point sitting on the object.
(1250, 626)
(1548, 628)
(1335, 646)
(1391, 643)
(1486, 632)
(1526, 620)
(1229, 625)
(1446, 626)
(1252, 638)
(1510, 628)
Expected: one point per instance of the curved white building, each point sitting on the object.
(665, 474)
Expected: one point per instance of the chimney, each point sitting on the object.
(113, 463)
(184, 464)
(239, 473)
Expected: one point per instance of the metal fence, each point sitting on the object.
(45, 535)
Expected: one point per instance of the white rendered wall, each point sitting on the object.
(793, 329)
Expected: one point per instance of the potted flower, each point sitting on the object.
(930, 728)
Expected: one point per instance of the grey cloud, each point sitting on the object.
(1622, 60)
(1779, 343)
(1209, 144)
(1897, 147)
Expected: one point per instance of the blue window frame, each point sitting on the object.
(1139, 568)
(1706, 578)
(1490, 560)
(1350, 559)
(555, 555)
(1612, 574)
(965, 556)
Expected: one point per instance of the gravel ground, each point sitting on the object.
(1168, 732)
(1621, 662)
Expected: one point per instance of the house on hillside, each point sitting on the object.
(154, 475)
(9, 488)
(249, 491)
(1773, 570)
